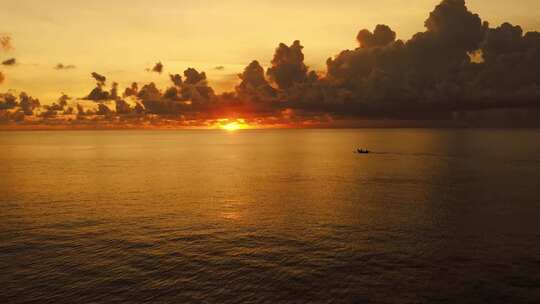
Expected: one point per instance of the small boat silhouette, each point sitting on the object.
(362, 151)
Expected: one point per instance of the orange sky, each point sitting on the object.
(120, 39)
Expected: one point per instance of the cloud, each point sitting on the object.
(61, 66)
(5, 42)
(194, 77)
(8, 101)
(133, 90)
(9, 62)
(99, 93)
(176, 79)
(431, 75)
(103, 110)
(219, 68)
(158, 68)
(99, 78)
(2, 77)
(425, 73)
(381, 36)
(28, 104)
(288, 65)
(58, 107)
(253, 83)
(454, 25)
(16, 108)
(122, 107)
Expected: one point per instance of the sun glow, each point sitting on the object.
(232, 125)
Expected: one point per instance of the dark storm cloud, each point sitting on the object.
(8, 62)
(61, 66)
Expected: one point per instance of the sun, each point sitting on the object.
(232, 125)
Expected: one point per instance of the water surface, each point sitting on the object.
(270, 216)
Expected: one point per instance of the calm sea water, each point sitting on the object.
(274, 216)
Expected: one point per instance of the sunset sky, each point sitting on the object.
(120, 39)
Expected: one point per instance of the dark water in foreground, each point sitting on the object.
(437, 216)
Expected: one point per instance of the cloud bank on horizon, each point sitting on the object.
(458, 63)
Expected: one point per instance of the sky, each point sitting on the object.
(120, 39)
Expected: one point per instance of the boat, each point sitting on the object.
(362, 151)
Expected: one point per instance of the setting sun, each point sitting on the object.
(234, 125)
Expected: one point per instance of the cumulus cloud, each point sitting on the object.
(57, 108)
(453, 24)
(288, 65)
(28, 104)
(253, 83)
(99, 93)
(457, 63)
(425, 73)
(381, 36)
(194, 77)
(8, 101)
(16, 108)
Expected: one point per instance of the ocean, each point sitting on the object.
(270, 216)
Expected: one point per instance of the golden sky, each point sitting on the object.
(121, 38)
